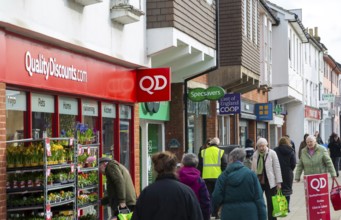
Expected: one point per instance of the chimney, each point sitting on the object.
(311, 32)
(316, 34)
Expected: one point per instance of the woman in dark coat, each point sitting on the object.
(167, 198)
(238, 191)
(287, 161)
(334, 147)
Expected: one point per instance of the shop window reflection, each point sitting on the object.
(67, 125)
(108, 136)
(41, 125)
(14, 125)
(125, 143)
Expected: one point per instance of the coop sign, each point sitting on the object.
(201, 94)
(230, 104)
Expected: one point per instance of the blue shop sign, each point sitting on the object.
(230, 104)
(263, 111)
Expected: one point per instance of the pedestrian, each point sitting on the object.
(190, 175)
(204, 146)
(302, 145)
(249, 149)
(167, 198)
(334, 147)
(292, 144)
(214, 163)
(266, 165)
(120, 188)
(238, 191)
(287, 161)
(318, 138)
(314, 160)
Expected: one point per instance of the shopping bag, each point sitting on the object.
(124, 214)
(279, 204)
(335, 195)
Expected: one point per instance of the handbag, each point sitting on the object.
(279, 204)
(335, 195)
(124, 213)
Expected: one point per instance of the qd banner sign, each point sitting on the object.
(153, 85)
(317, 196)
(230, 104)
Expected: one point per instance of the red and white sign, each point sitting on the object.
(153, 85)
(312, 113)
(317, 196)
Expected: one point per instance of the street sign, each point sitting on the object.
(317, 196)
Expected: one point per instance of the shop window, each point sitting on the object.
(68, 111)
(108, 119)
(42, 112)
(90, 115)
(154, 146)
(261, 130)
(125, 127)
(15, 109)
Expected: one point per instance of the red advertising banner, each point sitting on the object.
(312, 113)
(317, 196)
(153, 85)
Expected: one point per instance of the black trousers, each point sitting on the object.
(268, 194)
(210, 184)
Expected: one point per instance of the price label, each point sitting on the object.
(79, 149)
(72, 168)
(79, 168)
(48, 147)
(79, 212)
(89, 150)
(48, 171)
(71, 141)
(48, 212)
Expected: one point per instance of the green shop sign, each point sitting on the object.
(211, 93)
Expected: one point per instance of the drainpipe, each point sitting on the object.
(331, 88)
(202, 73)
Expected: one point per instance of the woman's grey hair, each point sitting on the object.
(237, 154)
(190, 160)
(311, 138)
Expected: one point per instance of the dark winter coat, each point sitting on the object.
(335, 149)
(120, 186)
(239, 193)
(191, 177)
(167, 199)
(287, 161)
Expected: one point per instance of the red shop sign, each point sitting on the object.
(317, 196)
(312, 113)
(153, 85)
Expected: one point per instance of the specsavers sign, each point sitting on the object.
(201, 94)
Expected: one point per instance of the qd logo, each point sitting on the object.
(318, 183)
(153, 85)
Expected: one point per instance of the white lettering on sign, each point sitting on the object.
(50, 67)
(318, 183)
(154, 83)
(229, 109)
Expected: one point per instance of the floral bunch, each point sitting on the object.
(85, 134)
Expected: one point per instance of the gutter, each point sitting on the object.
(200, 74)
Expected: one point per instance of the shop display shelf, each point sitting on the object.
(25, 190)
(59, 186)
(24, 208)
(61, 203)
(87, 187)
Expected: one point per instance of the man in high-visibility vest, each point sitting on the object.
(213, 163)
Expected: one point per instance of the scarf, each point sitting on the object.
(260, 165)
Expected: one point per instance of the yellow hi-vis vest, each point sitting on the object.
(211, 162)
